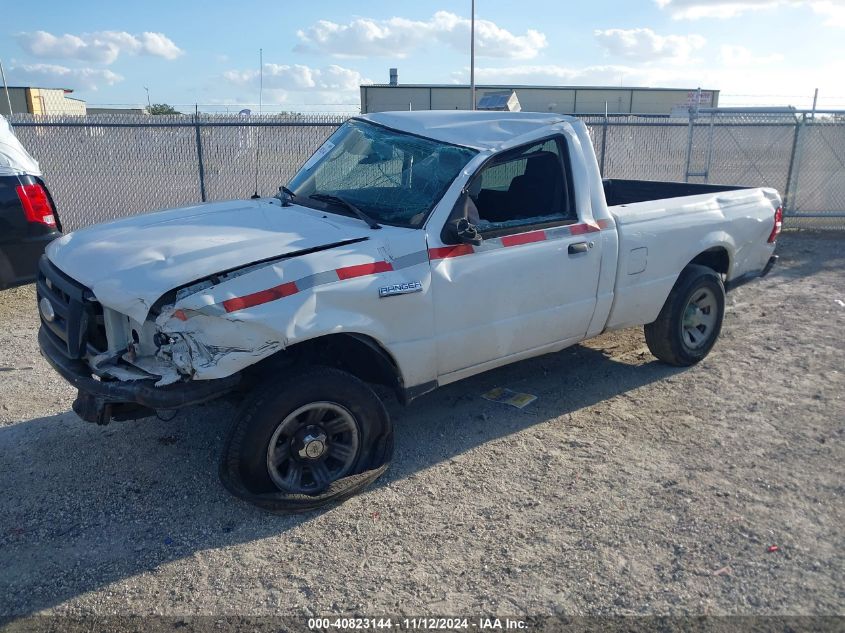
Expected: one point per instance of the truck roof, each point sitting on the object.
(479, 129)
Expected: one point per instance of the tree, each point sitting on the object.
(162, 108)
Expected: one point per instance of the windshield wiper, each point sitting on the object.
(286, 195)
(333, 199)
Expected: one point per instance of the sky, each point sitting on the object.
(316, 54)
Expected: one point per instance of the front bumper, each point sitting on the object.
(101, 401)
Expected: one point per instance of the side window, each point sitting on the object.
(524, 187)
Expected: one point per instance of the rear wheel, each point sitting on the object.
(691, 319)
(304, 441)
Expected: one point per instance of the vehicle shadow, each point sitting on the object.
(805, 253)
(85, 506)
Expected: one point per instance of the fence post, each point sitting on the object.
(709, 150)
(603, 145)
(690, 132)
(794, 167)
(199, 155)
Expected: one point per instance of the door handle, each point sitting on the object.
(578, 247)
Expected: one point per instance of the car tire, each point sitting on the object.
(307, 440)
(691, 319)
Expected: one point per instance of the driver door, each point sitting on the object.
(531, 285)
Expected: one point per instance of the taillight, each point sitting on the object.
(36, 204)
(778, 225)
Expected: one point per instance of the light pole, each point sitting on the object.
(149, 105)
(6, 88)
(472, 58)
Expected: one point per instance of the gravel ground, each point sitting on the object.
(628, 487)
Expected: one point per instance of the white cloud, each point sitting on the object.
(646, 45)
(55, 76)
(157, 45)
(832, 10)
(330, 83)
(102, 47)
(731, 73)
(739, 56)
(295, 77)
(397, 37)
(695, 9)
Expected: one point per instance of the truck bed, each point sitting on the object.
(660, 228)
(619, 191)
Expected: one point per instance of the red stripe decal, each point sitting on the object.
(363, 269)
(446, 252)
(524, 238)
(262, 296)
(580, 229)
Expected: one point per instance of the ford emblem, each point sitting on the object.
(47, 310)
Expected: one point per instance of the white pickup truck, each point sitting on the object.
(413, 249)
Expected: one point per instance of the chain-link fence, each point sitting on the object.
(801, 154)
(818, 179)
(101, 167)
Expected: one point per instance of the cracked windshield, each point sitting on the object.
(394, 178)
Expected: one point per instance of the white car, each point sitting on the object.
(413, 249)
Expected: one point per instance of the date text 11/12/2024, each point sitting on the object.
(428, 623)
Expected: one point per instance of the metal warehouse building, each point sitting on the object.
(34, 100)
(560, 99)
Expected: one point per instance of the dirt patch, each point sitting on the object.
(628, 487)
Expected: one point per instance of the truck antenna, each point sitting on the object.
(258, 132)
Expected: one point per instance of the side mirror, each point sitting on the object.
(459, 228)
(463, 231)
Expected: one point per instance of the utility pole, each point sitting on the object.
(472, 58)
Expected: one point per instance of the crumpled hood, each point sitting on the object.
(129, 264)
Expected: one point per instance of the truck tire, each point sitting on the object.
(307, 440)
(690, 321)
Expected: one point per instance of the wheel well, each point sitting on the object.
(359, 354)
(716, 258)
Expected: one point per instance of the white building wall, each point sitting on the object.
(563, 100)
(55, 102)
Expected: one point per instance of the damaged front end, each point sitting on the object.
(202, 342)
(130, 357)
(104, 398)
(169, 349)
(207, 347)
(124, 369)
(167, 364)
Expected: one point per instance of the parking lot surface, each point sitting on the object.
(627, 487)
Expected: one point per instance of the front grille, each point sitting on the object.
(78, 321)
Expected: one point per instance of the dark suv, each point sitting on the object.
(28, 222)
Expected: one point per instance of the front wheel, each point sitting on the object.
(690, 321)
(305, 441)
